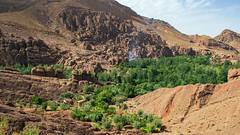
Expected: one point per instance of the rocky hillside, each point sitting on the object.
(229, 37)
(76, 32)
(207, 109)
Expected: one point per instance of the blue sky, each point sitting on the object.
(203, 17)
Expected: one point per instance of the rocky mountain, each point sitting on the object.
(76, 32)
(202, 109)
(229, 37)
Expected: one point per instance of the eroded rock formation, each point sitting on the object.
(84, 76)
(50, 72)
(26, 52)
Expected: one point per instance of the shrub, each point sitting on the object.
(28, 130)
(86, 107)
(44, 105)
(36, 100)
(73, 115)
(52, 105)
(123, 106)
(119, 125)
(21, 106)
(157, 122)
(25, 102)
(64, 106)
(97, 125)
(111, 110)
(67, 94)
(78, 97)
(94, 116)
(150, 118)
(106, 122)
(140, 112)
(137, 124)
(132, 118)
(3, 125)
(116, 119)
(144, 116)
(9, 99)
(87, 89)
(38, 112)
(18, 100)
(87, 97)
(151, 128)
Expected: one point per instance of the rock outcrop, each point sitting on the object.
(26, 52)
(84, 76)
(94, 27)
(18, 119)
(234, 74)
(229, 37)
(50, 72)
(24, 86)
(207, 109)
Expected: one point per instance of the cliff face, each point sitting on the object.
(209, 108)
(26, 52)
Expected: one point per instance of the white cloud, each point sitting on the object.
(188, 16)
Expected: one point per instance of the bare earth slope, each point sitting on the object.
(202, 109)
(87, 32)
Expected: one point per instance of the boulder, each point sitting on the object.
(33, 71)
(50, 72)
(40, 71)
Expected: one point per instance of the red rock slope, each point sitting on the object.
(206, 109)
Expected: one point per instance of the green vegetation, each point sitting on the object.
(78, 97)
(3, 125)
(145, 75)
(44, 105)
(36, 100)
(38, 112)
(87, 89)
(18, 100)
(52, 105)
(67, 94)
(106, 122)
(9, 99)
(64, 106)
(30, 130)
